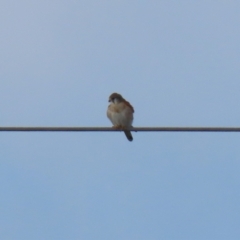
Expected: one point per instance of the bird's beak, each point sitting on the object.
(109, 100)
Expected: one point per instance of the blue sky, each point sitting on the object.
(177, 62)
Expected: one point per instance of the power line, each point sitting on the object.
(109, 129)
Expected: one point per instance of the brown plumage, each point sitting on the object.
(120, 112)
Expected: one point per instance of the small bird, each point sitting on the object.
(120, 112)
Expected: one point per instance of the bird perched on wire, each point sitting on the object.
(120, 112)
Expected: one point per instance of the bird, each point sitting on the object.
(120, 112)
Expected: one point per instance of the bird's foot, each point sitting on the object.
(117, 127)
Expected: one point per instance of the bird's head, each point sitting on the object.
(115, 98)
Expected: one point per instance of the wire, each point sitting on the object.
(109, 129)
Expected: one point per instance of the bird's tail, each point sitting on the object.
(128, 135)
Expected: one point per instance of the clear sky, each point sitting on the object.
(177, 62)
